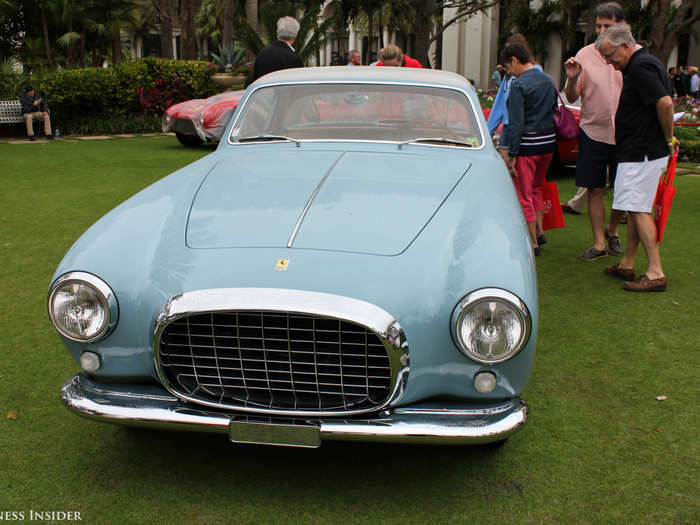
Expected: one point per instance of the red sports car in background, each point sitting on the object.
(202, 119)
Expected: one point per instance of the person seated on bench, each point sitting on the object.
(34, 107)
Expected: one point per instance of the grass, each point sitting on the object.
(599, 447)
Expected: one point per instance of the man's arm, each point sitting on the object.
(573, 71)
(664, 109)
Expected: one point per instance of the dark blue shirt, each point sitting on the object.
(530, 104)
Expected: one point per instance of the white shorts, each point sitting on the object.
(636, 183)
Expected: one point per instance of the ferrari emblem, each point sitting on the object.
(282, 264)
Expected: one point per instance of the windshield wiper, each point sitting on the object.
(268, 137)
(439, 140)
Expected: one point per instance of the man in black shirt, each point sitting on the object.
(644, 135)
(34, 107)
(280, 54)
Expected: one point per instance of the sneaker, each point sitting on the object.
(541, 239)
(568, 209)
(32, 138)
(591, 254)
(614, 244)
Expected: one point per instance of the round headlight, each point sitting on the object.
(492, 325)
(82, 307)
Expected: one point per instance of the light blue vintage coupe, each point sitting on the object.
(351, 263)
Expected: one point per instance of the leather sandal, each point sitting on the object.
(624, 273)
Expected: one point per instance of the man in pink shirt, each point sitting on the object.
(599, 86)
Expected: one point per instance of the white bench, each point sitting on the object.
(10, 112)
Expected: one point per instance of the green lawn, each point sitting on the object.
(599, 447)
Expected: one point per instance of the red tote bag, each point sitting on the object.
(553, 215)
(664, 196)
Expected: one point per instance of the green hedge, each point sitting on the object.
(690, 150)
(133, 88)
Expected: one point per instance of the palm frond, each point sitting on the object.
(67, 39)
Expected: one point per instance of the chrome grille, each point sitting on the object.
(275, 360)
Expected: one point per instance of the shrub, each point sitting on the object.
(684, 133)
(486, 97)
(104, 126)
(12, 82)
(156, 100)
(132, 88)
(690, 150)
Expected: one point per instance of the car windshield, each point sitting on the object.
(372, 112)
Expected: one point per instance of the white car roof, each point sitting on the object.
(365, 73)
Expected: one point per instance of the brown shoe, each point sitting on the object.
(644, 284)
(624, 273)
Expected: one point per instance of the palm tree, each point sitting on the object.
(189, 36)
(69, 13)
(45, 32)
(310, 37)
(356, 9)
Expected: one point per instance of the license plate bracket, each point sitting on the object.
(305, 435)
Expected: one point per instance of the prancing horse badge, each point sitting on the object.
(282, 264)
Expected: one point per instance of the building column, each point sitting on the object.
(328, 52)
(351, 38)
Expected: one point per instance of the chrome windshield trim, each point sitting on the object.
(291, 301)
(475, 110)
(311, 200)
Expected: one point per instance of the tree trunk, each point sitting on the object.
(251, 16)
(658, 9)
(45, 30)
(70, 56)
(664, 37)
(438, 46)
(370, 39)
(422, 26)
(227, 30)
(82, 49)
(166, 28)
(96, 59)
(189, 38)
(116, 44)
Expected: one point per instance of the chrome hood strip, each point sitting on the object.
(311, 199)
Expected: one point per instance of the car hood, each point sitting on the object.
(354, 201)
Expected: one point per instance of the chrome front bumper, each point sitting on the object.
(145, 406)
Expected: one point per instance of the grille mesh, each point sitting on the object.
(276, 360)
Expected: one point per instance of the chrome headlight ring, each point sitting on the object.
(491, 325)
(82, 307)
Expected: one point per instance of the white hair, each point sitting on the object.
(287, 28)
(616, 35)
